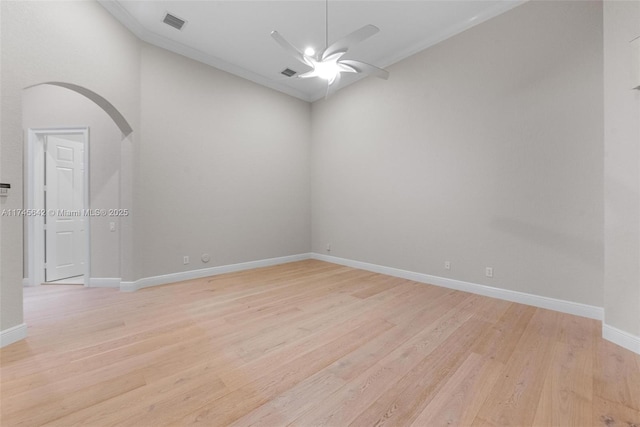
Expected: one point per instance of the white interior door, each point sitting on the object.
(65, 222)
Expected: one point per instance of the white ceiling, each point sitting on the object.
(234, 35)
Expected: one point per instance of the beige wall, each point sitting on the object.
(484, 150)
(47, 106)
(36, 47)
(621, 169)
(224, 168)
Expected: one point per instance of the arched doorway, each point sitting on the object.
(55, 110)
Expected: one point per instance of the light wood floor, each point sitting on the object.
(306, 344)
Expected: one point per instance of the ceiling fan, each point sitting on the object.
(328, 63)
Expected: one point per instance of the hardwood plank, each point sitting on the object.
(351, 400)
(59, 404)
(514, 398)
(402, 403)
(190, 388)
(616, 383)
(300, 399)
(567, 394)
(607, 413)
(235, 404)
(461, 397)
(292, 403)
(500, 341)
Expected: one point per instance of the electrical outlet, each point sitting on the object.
(488, 271)
(328, 247)
(185, 260)
(447, 265)
(112, 226)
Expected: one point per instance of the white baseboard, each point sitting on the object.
(104, 282)
(620, 337)
(563, 306)
(94, 282)
(205, 272)
(13, 334)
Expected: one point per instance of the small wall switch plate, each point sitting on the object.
(185, 260)
(488, 272)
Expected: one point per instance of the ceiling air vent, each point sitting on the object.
(174, 21)
(288, 72)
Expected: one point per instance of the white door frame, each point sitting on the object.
(34, 177)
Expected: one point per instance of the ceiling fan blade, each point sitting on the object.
(289, 48)
(307, 75)
(363, 67)
(332, 86)
(333, 57)
(346, 42)
(346, 68)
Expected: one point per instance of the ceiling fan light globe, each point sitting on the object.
(327, 70)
